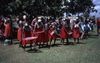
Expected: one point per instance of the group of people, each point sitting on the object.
(5, 29)
(47, 29)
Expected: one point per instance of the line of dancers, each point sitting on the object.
(47, 29)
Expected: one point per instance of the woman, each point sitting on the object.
(33, 24)
(26, 32)
(76, 31)
(41, 33)
(7, 31)
(19, 33)
(52, 33)
(64, 32)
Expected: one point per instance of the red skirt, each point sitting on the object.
(42, 37)
(7, 31)
(19, 34)
(64, 34)
(25, 35)
(76, 33)
(52, 36)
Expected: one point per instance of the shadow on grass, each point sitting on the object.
(72, 43)
(34, 51)
(90, 36)
(27, 46)
(45, 46)
(93, 36)
(55, 45)
(81, 43)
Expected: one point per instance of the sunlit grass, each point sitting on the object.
(88, 51)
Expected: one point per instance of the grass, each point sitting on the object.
(88, 51)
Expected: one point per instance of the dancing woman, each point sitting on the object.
(76, 31)
(64, 32)
(41, 33)
(19, 33)
(26, 32)
(52, 33)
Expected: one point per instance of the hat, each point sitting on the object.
(24, 16)
(20, 22)
(26, 24)
(76, 18)
(5, 20)
(39, 20)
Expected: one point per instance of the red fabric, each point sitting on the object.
(33, 35)
(98, 22)
(76, 33)
(19, 34)
(1, 22)
(7, 31)
(64, 33)
(54, 36)
(25, 35)
(42, 37)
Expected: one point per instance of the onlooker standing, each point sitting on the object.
(98, 26)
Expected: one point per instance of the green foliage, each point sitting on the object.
(79, 5)
(42, 7)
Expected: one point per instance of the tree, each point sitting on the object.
(79, 5)
(43, 7)
(35, 7)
